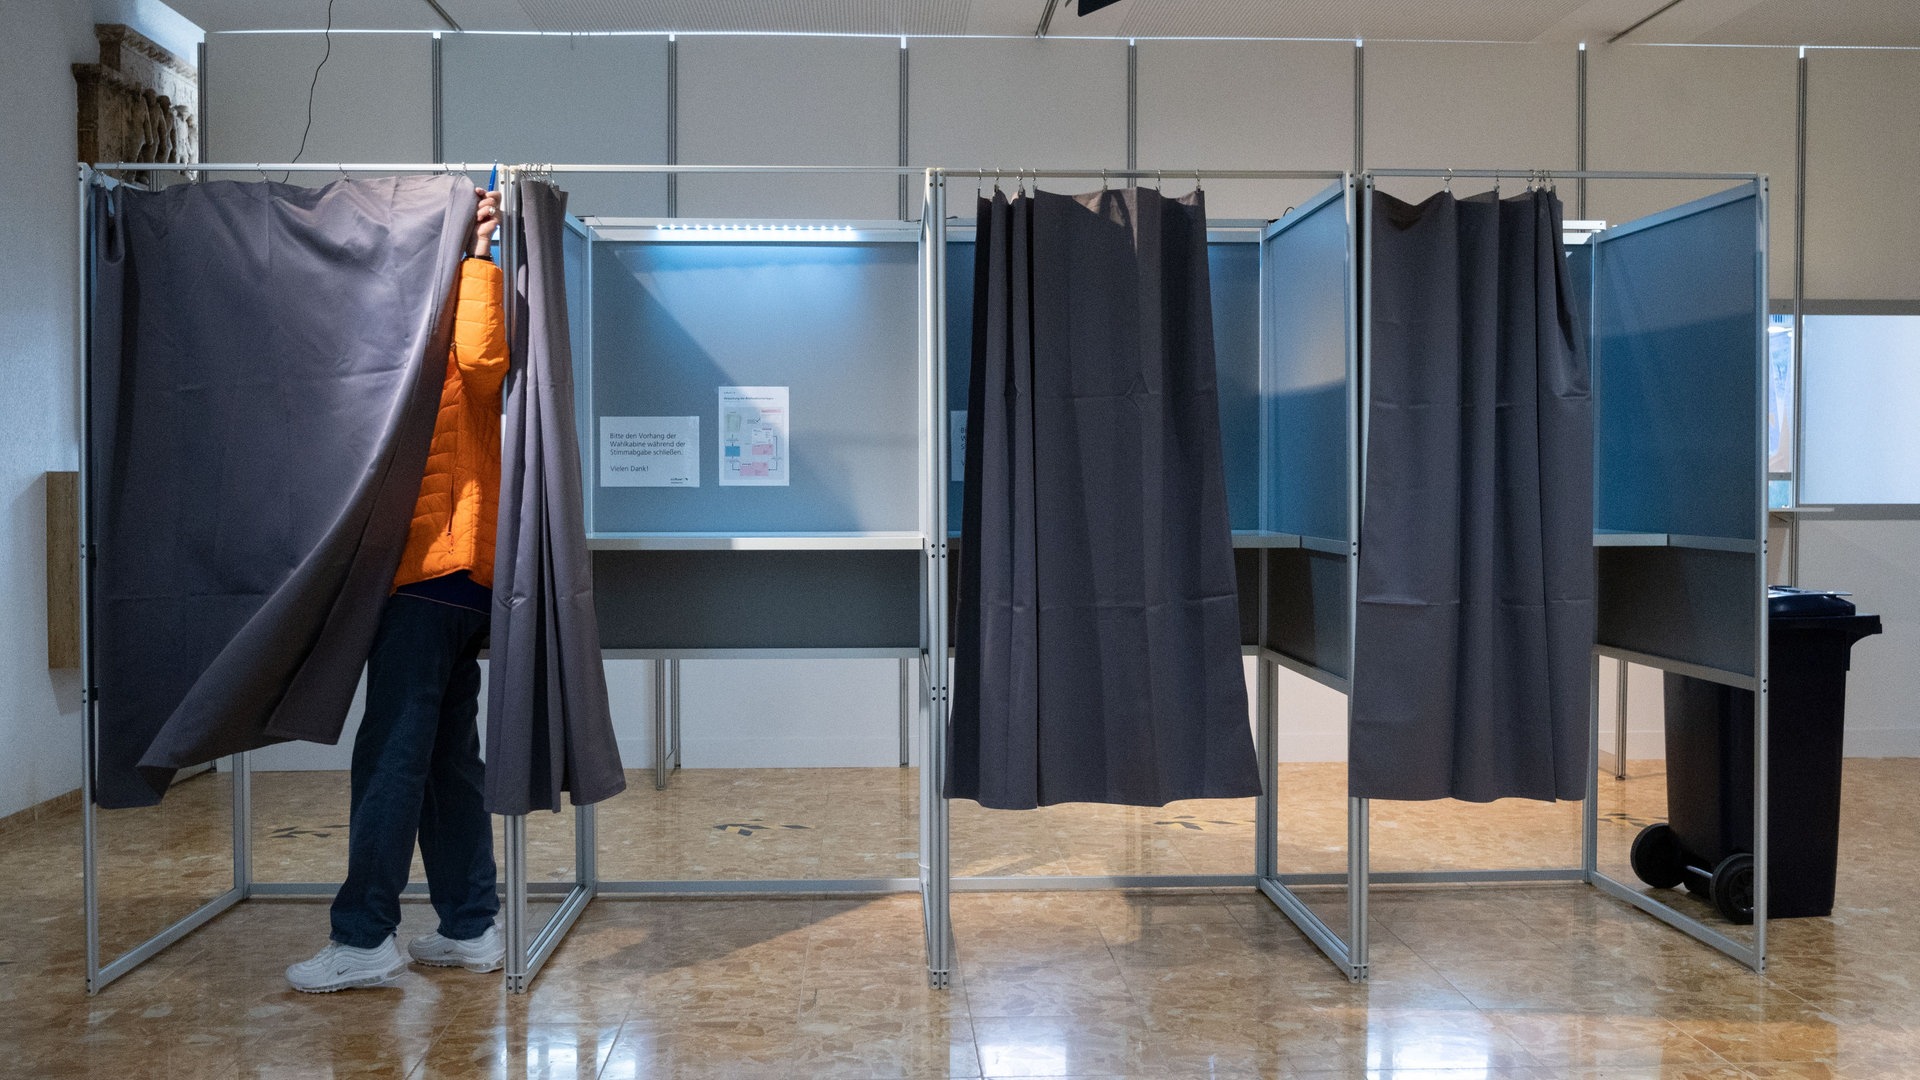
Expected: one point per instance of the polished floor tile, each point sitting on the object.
(1517, 982)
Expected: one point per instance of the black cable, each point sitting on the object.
(311, 87)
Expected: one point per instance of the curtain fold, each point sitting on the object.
(1476, 576)
(266, 362)
(549, 728)
(1097, 652)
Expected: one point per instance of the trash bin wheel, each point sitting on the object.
(1733, 888)
(1657, 858)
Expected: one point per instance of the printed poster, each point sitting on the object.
(753, 436)
(650, 451)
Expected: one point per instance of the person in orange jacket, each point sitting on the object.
(416, 760)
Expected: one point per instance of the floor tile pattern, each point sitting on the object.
(1546, 982)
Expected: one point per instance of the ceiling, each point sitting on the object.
(1741, 22)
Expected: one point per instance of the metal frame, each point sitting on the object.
(1266, 877)
(931, 882)
(1351, 953)
(1753, 955)
(530, 947)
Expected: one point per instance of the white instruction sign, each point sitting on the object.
(650, 451)
(753, 436)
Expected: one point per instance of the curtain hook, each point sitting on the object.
(1158, 179)
(1103, 179)
(1496, 183)
(1196, 180)
(1448, 186)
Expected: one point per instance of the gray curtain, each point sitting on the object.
(1476, 576)
(1097, 655)
(266, 364)
(549, 729)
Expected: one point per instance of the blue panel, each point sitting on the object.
(573, 253)
(1234, 267)
(960, 266)
(1677, 365)
(1306, 373)
(836, 323)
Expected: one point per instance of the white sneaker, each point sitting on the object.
(483, 954)
(343, 967)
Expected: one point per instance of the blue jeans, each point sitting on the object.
(417, 775)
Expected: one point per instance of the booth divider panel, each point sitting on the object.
(1305, 373)
(1685, 604)
(689, 600)
(1247, 563)
(1246, 572)
(1675, 375)
(1307, 608)
(1235, 272)
(574, 250)
(960, 267)
(835, 323)
(1234, 269)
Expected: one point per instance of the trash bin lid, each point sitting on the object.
(1783, 601)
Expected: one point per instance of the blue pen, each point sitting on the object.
(493, 177)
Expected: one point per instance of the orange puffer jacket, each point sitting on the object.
(455, 515)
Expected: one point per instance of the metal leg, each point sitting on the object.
(673, 707)
(906, 708)
(1619, 721)
(1266, 828)
(243, 822)
(1590, 813)
(1359, 858)
(660, 707)
(516, 904)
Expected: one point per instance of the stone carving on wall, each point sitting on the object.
(138, 103)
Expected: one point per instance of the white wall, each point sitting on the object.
(373, 101)
(1695, 110)
(1452, 105)
(1246, 105)
(1863, 175)
(1021, 103)
(500, 97)
(39, 709)
(817, 101)
(1871, 553)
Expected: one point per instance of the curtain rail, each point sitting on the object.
(1563, 174)
(542, 168)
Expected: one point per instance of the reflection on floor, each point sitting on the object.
(1537, 981)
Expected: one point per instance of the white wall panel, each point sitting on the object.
(1873, 558)
(1863, 175)
(1459, 105)
(1693, 110)
(39, 708)
(1017, 103)
(1246, 105)
(591, 100)
(790, 101)
(373, 102)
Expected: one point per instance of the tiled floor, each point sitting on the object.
(1537, 982)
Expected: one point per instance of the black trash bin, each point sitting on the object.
(1706, 843)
